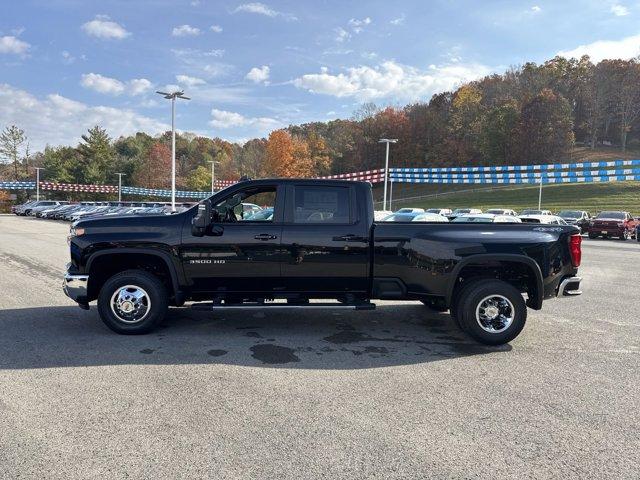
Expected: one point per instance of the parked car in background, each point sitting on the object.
(486, 218)
(380, 215)
(502, 211)
(429, 217)
(440, 211)
(464, 211)
(42, 203)
(47, 205)
(414, 217)
(534, 211)
(410, 210)
(613, 224)
(579, 218)
(20, 209)
(264, 215)
(545, 219)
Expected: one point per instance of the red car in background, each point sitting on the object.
(613, 224)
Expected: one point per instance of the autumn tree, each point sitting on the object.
(498, 135)
(156, 169)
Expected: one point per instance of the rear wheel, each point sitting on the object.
(132, 302)
(493, 312)
(626, 236)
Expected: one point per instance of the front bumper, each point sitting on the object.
(75, 287)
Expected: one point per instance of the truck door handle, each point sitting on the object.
(265, 236)
(349, 238)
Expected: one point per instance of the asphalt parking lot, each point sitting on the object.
(393, 393)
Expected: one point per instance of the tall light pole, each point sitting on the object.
(172, 96)
(213, 172)
(120, 185)
(540, 192)
(386, 168)
(38, 182)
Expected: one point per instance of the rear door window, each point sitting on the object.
(325, 204)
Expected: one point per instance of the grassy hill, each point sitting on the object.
(592, 197)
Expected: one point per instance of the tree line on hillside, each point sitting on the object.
(531, 114)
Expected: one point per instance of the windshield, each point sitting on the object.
(496, 211)
(531, 212)
(400, 217)
(474, 219)
(570, 214)
(612, 215)
(462, 210)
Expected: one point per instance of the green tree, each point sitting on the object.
(97, 155)
(545, 130)
(11, 141)
(498, 135)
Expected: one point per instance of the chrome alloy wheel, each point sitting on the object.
(130, 304)
(495, 313)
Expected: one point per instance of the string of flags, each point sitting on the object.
(579, 172)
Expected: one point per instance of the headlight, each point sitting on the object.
(74, 232)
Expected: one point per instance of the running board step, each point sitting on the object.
(208, 306)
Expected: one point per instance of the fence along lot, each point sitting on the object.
(397, 392)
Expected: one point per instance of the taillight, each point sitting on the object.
(575, 249)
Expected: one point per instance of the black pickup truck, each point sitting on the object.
(316, 240)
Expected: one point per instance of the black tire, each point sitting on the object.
(435, 305)
(626, 236)
(476, 294)
(156, 302)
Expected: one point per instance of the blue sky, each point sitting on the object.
(250, 67)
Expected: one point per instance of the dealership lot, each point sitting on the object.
(397, 392)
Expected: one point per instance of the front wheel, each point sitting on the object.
(492, 312)
(132, 302)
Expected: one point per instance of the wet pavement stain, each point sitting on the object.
(348, 336)
(217, 353)
(273, 354)
(147, 351)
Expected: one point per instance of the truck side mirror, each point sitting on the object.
(201, 221)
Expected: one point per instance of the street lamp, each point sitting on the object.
(38, 182)
(213, 172)
(540, 192)
(172, 96)
(386, 168)
(120, 185)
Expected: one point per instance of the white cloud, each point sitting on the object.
(225, 119)
(536, 9)
(113, 86)
(342, 35)
(399, 20)
(67, 58)
(188, 81)
(262, 9)
(390, 80)
(139, 86)
(185, 30)
(102, 84)
(358, 25)
(619, 10)
(258, 74)
(216, 28)
(13, 45)
(102, 27)
(627, 47)
(57, 120)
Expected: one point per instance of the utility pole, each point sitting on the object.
(386, 169)
(120, 185)
(38, 182)
(172, 96)
(213, 173)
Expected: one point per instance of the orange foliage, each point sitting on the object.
(156, 171)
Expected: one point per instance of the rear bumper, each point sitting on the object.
(609, 231)
(569, 287)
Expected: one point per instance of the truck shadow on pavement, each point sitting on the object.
(49, 337)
